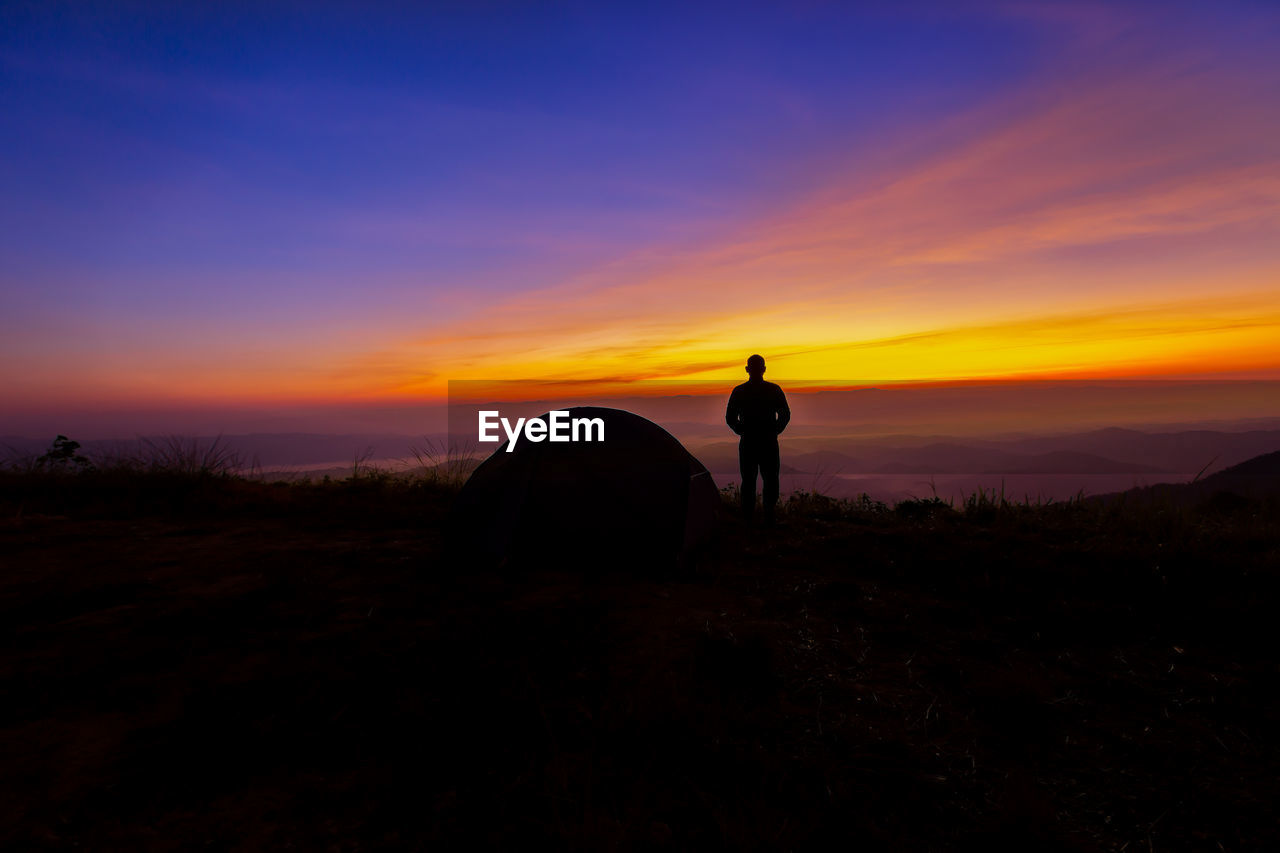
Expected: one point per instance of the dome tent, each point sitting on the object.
(636, 498)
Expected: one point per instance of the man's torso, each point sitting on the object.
(758, 404)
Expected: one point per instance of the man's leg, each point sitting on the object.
(770, 466)
(747, 464)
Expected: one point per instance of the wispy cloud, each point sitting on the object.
(1117, 188)
(1113, 213)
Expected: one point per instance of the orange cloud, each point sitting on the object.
(1120, 226)
(1119, 223)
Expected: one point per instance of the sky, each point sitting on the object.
(215, 207)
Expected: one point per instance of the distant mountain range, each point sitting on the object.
(1105, 451)
(1258, 477)
(933, 459)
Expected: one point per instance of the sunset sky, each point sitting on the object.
(214, 205)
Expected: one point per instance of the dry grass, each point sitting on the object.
(199, 660)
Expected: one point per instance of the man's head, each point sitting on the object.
(755, 366)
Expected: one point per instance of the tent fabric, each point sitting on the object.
(637, 497)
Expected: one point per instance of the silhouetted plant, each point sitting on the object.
(865, 503)
(63, 455)
(923, 507)
(187, 456)
(446, 462)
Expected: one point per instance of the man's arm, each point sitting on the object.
(783, 411)
(733, 413)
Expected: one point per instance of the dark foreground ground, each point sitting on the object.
(194, 663)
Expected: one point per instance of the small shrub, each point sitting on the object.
(63, 455)
(920, 508)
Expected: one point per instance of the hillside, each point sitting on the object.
(199, 662)
(1262, 471)
(1252, 480)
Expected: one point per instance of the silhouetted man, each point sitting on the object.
(758, 412)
